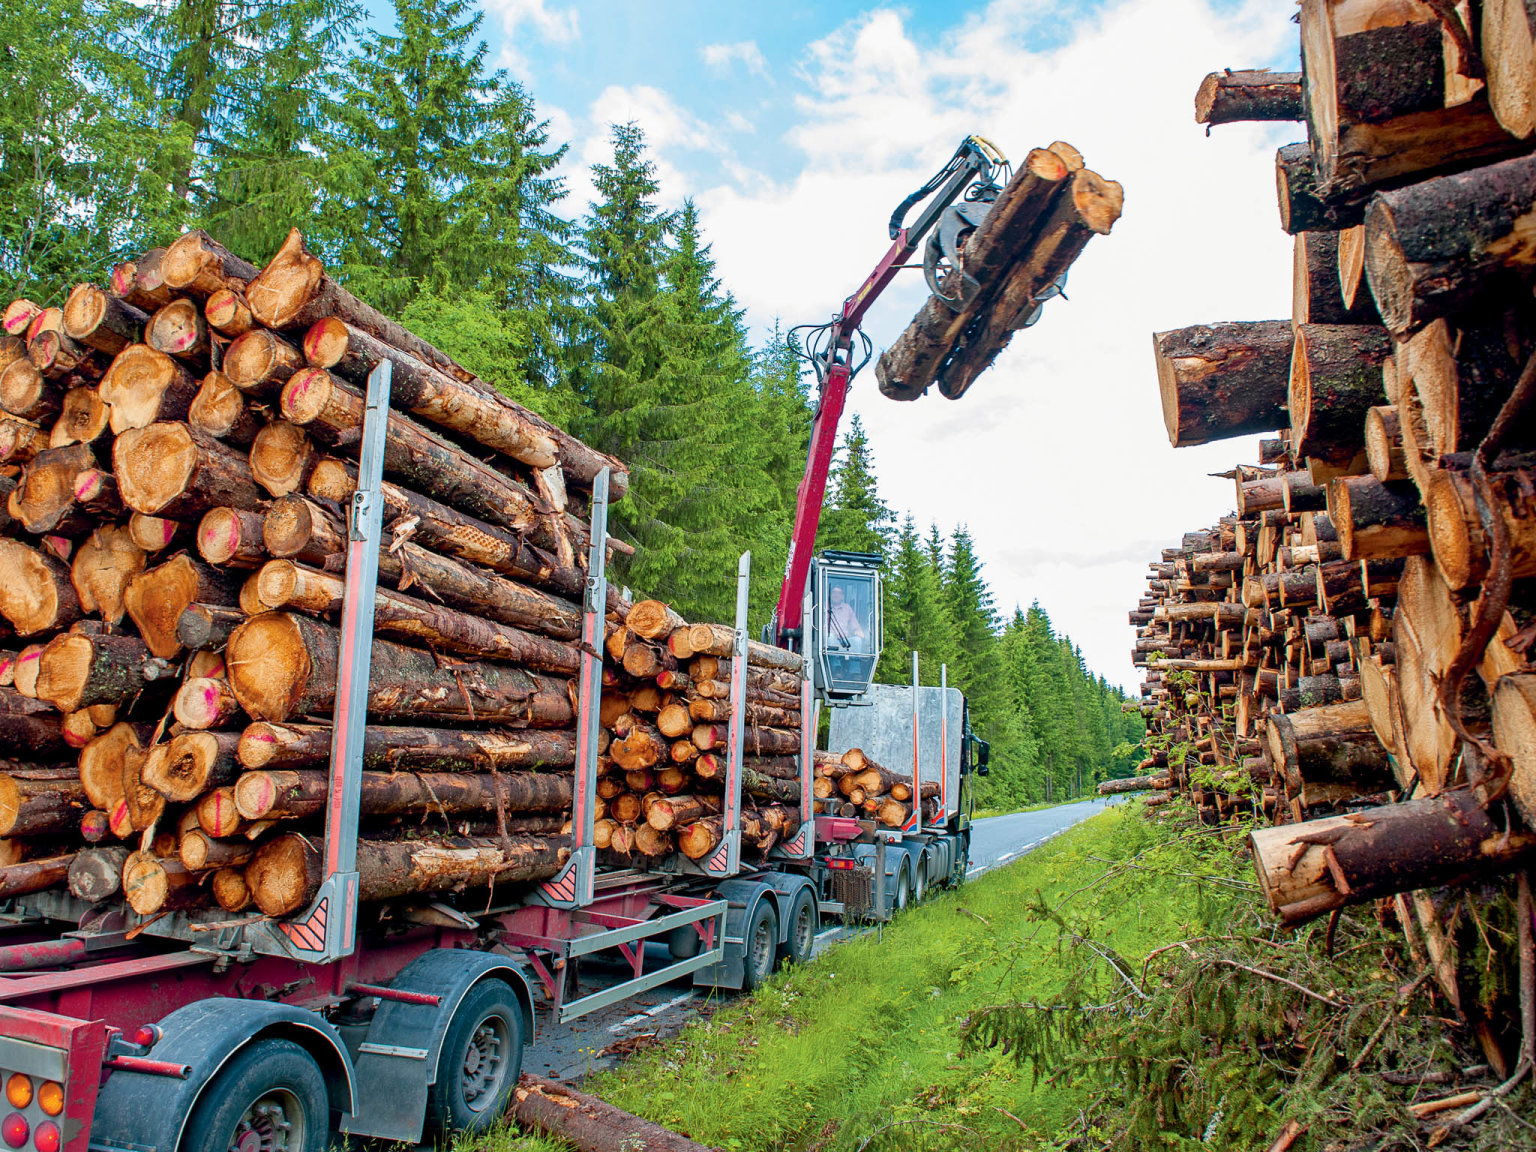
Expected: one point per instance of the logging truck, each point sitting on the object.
(204, 1030)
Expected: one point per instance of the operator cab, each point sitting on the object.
(849, 628)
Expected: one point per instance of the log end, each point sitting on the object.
(268, 665)
(153, 465)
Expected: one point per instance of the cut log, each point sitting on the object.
(293, 291)
(36, 594)
(83, 419)
(39, 801)
(179, 329)
(259, 361)
(199, 852)
(1456, 532)
(200, 266)
(44, 501)
(102, 569)
(288, 793)
(282, 458)
(140, 282)
(156, 598)
(678, 811)
(77, 671)
(283, 584)
(230, 890)
(1427, 632)
(25, 394)
(1223, 380)
(191, 764)
(1332, 744)
(205, 628)
(144, 386)
(96, 874)
(699, 839)
(266, 745)
(231, 537)
(1306, 870)
(35, 875)
(719, 640)
(1230, 97)
(643, 747)
(1434, 247)
(205, 702)
(432, 395)
(217, 815)
(1376, 520)
(588, 1123)
(1384, 444)
(653, 620)
(176, 472)
(1335, 379)
(1509, 64)
(219, 409)
(1316, 291)
(152, 533)
(1514, 733)
(19, 441)
(286, 872)
(754, 783)
(283, 665)
(228, 314)
(152, 885)
(101, 321)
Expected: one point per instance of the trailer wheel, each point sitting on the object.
(903, 889)
(803, 925)
(270, 1098)
(481, 1059)
(920, 881)
(760, 945)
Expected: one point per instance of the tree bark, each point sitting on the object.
(1427, 632)
(432, 395)
(282, 665)
(1230, 97)
(1376, 520)
(200, 852)
(1304, 207)
(77, 671)
(1317, 296)
(290, 793)
(1331, 744)
(38, 801)
(283, 584)
(587, 1123)
(231, 537)
(1223, 380)
(175, 472)
(286, 872)
(755, 783)
(1308, 869)
(35, 875)
(1335, 380)
(266, 745)
(1435, 247)
(1514, 733)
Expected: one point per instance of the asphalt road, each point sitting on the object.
(603, 1039)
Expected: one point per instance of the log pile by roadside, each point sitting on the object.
(1347, 655)
(177, 458)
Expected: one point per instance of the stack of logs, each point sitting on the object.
(854, 785)
(177, 454)
(665, 737)
(1348, 654)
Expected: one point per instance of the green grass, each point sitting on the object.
(869, 1034)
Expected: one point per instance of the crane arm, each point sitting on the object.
(838, 349)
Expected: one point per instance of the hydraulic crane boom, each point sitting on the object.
(830, 348)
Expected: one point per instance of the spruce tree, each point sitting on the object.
(855, 518)
(916, 615)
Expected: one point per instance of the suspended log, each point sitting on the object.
(286, 872)
(1306, 870)
(266, 745)
(1223, 380)
(283, 665)
(430, 394)
(1335, 380)
(173, 471)
(287, 793)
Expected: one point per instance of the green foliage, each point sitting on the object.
(855, 518)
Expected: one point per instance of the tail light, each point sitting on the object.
(47, 1138)
(14, 1130)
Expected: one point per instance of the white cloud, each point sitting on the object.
(556, 26)
(720, 57)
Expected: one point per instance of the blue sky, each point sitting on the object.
(797, 127)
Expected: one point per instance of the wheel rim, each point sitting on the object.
(486, 1062)
(903, 890)
(805, 930)
(762, 947)
(275, 1122)
(920, 885)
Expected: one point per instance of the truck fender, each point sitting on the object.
(897, 857)
(148, 1112)
(397, 1059)
(787, 885)
(742, 896)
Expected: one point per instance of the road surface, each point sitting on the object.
(599, 1041)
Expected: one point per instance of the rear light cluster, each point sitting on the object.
(17, 1129)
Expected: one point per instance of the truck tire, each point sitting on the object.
(920, 880)
(760, 946)
(903, 895)
(271, 1095)
(480, 1061)
(804, 922)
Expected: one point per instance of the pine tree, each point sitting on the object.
(855, 518)
(974, 620)
(916, 614)
(78, 127)
(783, 418)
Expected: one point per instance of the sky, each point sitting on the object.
(797, 127)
